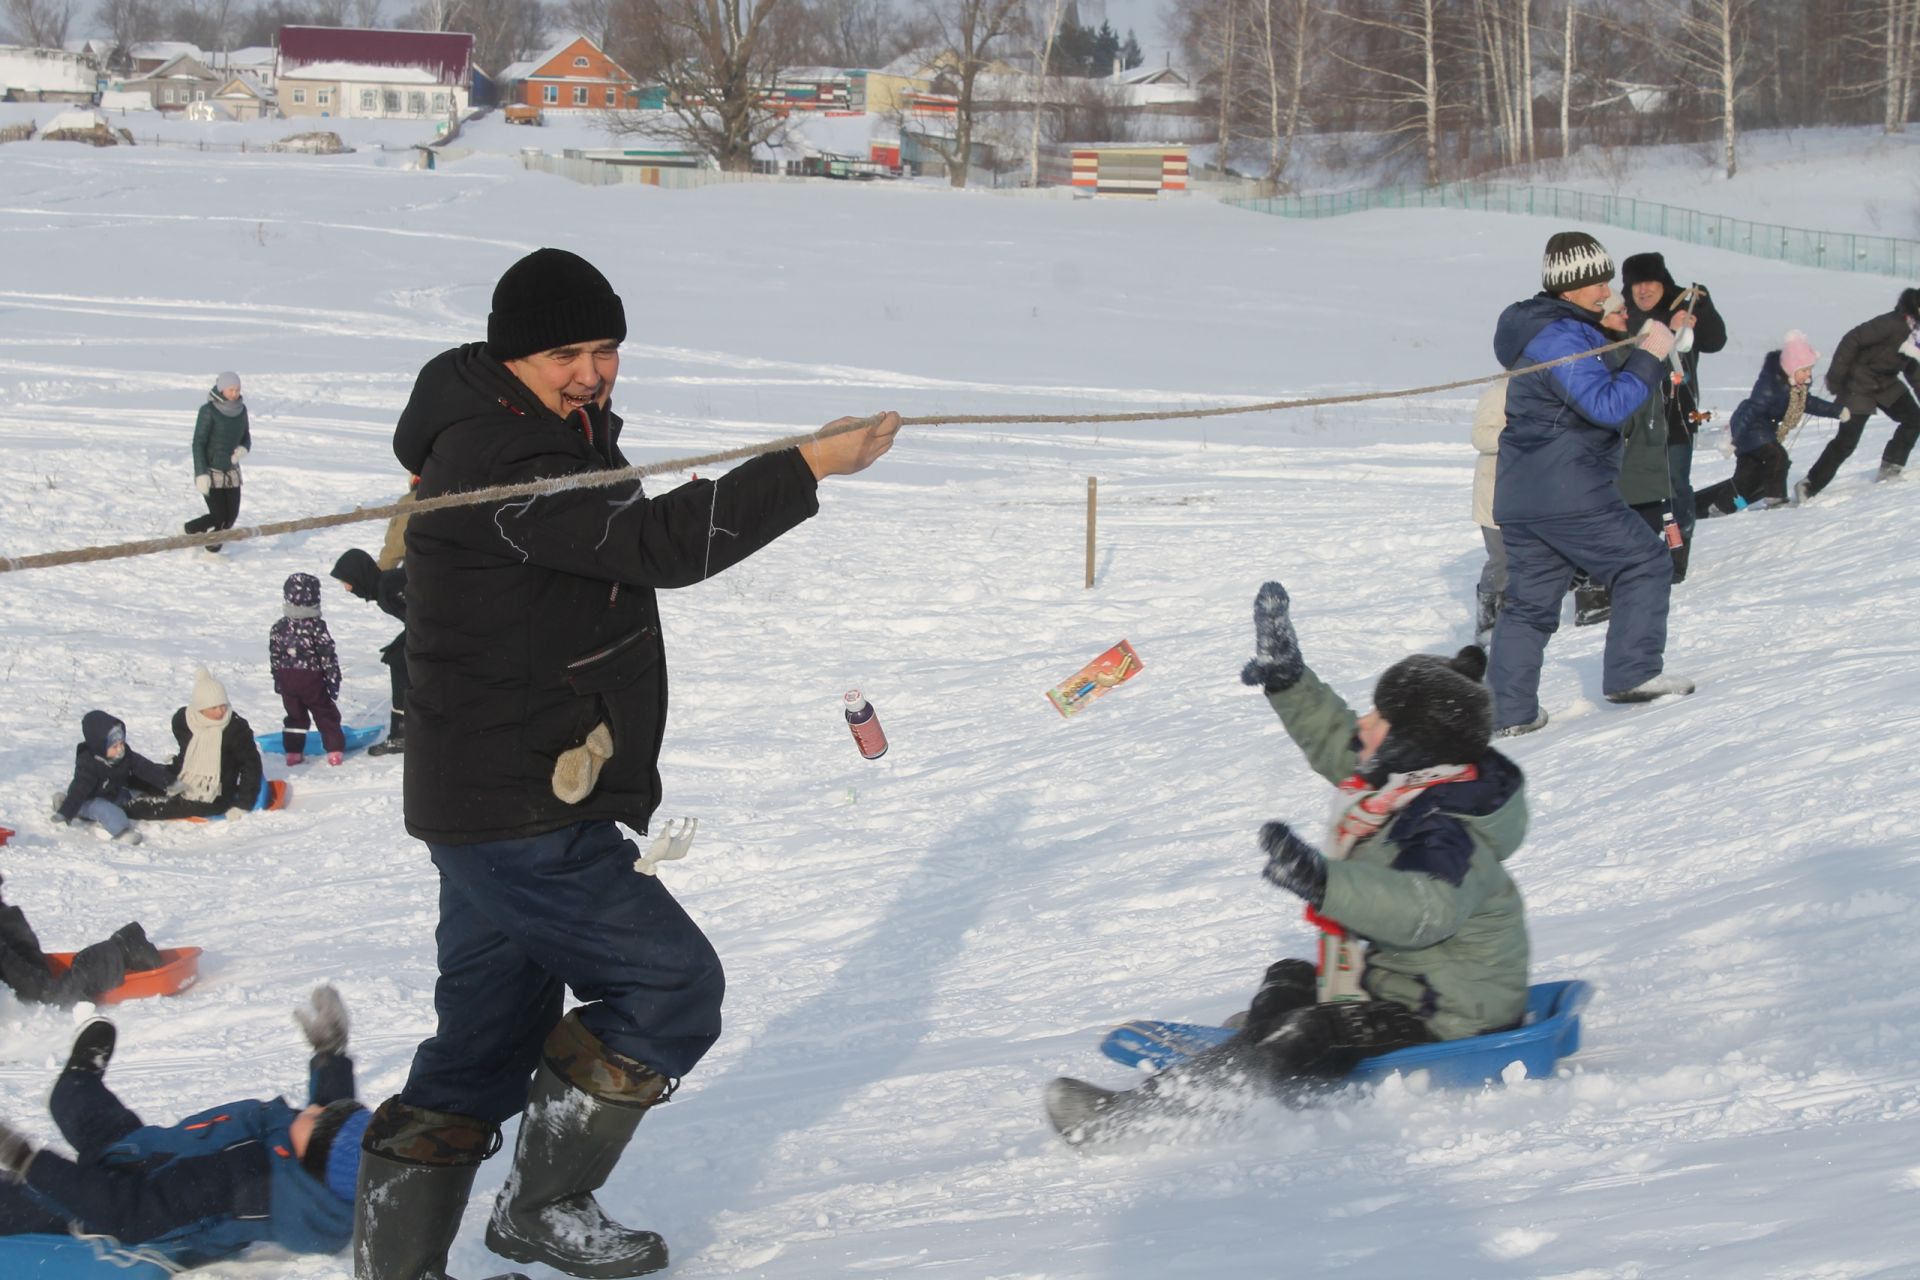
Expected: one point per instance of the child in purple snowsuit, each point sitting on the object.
(306, 671)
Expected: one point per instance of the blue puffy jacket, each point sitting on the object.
(203, 1189)
(1560, 452)
(1756, 423)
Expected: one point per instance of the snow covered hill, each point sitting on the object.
(915, 945)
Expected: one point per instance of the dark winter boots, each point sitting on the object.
(140, 952)
(1592, 603)
(1487, 613)
(587, 1101)
(395, 743)
(416, 1171)
(93, 1047)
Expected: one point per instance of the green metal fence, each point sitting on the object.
(1833, 250)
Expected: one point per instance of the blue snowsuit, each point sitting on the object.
(194, 1192)
(1559, 508)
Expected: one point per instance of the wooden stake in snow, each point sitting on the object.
(1093, 500)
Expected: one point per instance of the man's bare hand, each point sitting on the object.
(852, 451)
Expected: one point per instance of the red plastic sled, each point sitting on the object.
(6, 834)
(181, 970)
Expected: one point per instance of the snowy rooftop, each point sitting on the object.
(362, 72)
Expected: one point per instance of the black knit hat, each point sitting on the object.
(548, 299)
(337, 1131)
(1437, 710)
(1909, 304)
(1573, 260)
(1647, 268)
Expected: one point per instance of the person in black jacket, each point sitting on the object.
(535, 716)
(99, 968)
(217, 770)
(1652, 294)
(1864, 376)
(362, 576)
(105, 772)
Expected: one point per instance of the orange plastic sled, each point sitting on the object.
(181, 970)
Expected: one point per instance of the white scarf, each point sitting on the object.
(200, 762)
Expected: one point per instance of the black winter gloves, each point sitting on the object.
(324, 1020)
(1293, 864)
(16, 1153)
(1276, 664)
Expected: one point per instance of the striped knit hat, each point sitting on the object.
(1574, 260)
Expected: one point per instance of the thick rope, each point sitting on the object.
(603, 479)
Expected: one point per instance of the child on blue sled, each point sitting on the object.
(1412, 868)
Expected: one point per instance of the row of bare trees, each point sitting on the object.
(1459, 82)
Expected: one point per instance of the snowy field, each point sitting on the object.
(916, 945)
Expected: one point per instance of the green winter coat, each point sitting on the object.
(1644, 476)
(1446, 932)
(216, 436)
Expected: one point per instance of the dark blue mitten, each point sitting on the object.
(1293, 864)
(1276, 664)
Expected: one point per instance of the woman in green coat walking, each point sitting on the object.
(220, 439)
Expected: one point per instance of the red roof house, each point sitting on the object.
(358, 72)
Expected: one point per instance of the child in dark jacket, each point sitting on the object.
(206, 1188)
(306, 671)
(360, 574)
(105, 772)
(1413, 866)
(1773, 411)
(217, 770)
(25, 970)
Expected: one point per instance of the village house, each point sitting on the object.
(177, 84)
(574, 75)
(244, 97)
(46, 75)
(356, 73)
(149, 56)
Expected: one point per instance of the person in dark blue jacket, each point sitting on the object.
(1558, 504)
(105, 773)
(1780, 400)
(204, 1189)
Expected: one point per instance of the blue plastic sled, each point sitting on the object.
(274, 744)
(274, 794)
(1551, 1032)
(49, 1257)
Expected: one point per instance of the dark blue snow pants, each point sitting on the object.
(1619, 552)
(520, 921)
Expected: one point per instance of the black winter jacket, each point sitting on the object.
(1867, 364)
(529, 623)
(97, 778)
(386, 588)
(239, 761)
(24, 967)
(1709, 336)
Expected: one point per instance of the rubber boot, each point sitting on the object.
(395, 743)
(405, 1217)
(570, 1140)
(1592, 603)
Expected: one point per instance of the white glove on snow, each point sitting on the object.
(673, 842)
(1846, 415)
(204, 483)
(1656, 339)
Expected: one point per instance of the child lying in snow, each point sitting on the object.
(1428, 813)
(203, 1189)
(101, 967)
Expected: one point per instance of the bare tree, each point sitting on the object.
(366, 13)
(39, 24)
(1044, 22)
(1566, 84)
(1406, 71)
(597, 20)
(127, 23)
(968, 35)
(503, 30)
(715, 59)
(1708, 44)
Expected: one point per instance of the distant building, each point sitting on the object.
(177, 84)
(257, 62)
(244, 98)
(148, 57)
(356, 73)
(46, 75)
(827, 89)
(574, 75)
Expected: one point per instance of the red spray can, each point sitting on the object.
(865, 723)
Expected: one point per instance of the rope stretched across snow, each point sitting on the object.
(531, 489)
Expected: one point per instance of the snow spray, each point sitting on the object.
(865, 723)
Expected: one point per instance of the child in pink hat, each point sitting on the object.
(1773, 411)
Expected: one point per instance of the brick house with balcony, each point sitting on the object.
(575, 75)
(356, 73)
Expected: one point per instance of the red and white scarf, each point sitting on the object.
(1360, 811)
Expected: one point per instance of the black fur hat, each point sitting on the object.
(1437, 710)
(1909, 304)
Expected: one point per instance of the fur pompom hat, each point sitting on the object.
(1574, 260)
(1437, 710)
(1796, 353)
